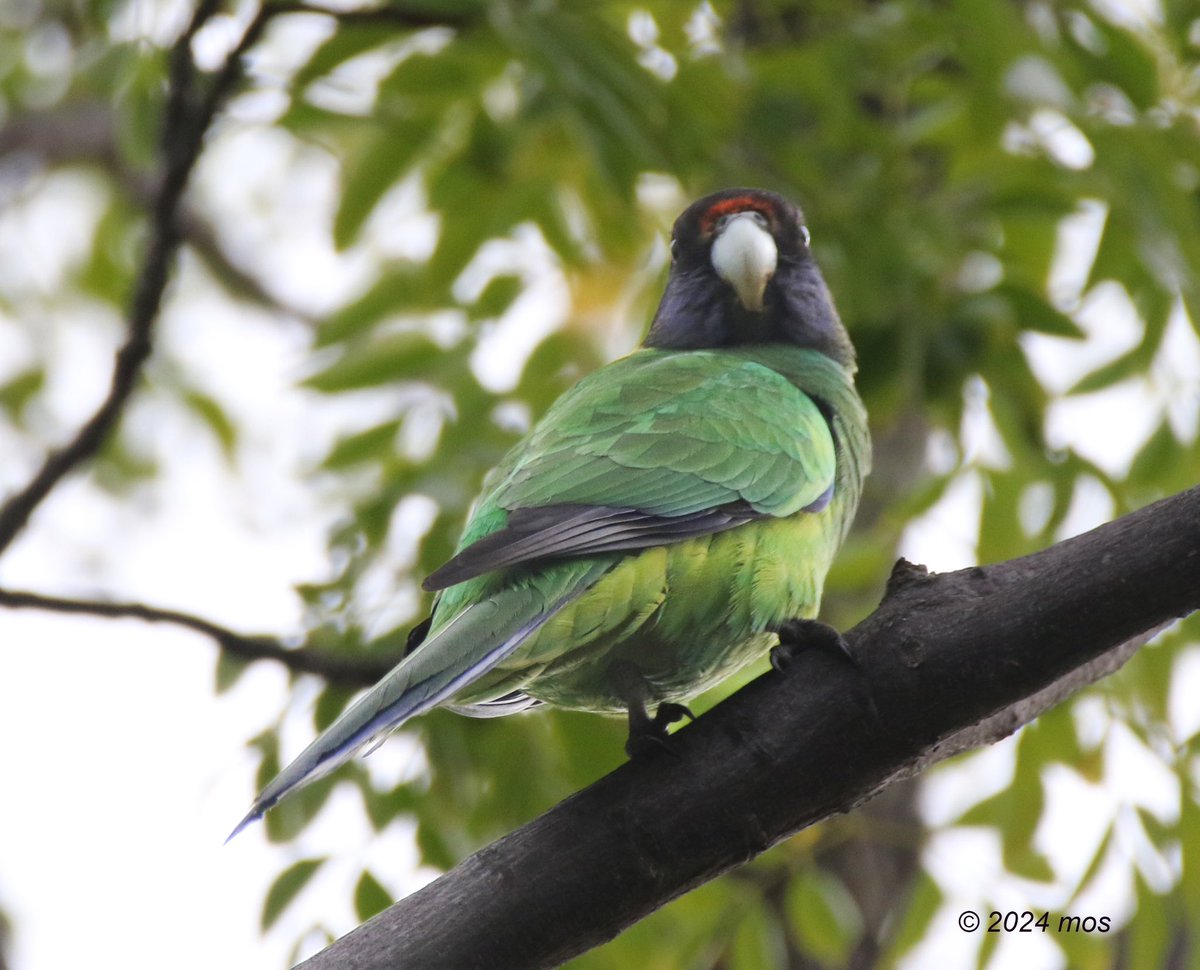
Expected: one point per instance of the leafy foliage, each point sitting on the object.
(940, 150)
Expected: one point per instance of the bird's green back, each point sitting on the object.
(776, 428)
(673, 432)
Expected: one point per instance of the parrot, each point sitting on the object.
(664, 521)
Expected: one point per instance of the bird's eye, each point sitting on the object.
(805, 235)
(674, 248)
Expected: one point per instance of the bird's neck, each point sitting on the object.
(699, 311)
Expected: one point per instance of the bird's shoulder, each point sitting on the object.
(679, 391)
(675, 432)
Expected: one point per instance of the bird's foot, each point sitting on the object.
(646, 734)
(649, 734)
(670, 713)
(797, 635)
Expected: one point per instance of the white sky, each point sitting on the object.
(95, 847)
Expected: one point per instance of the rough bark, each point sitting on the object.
(947, 662)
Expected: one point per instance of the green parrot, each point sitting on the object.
(664, 520)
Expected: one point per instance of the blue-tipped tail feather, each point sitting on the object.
(466, 648)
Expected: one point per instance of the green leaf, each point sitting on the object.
(824, 918)
(756, 942)
(347, 42)
(288, 819)
(1126, 63)
(370, 897)
(434, 86)
(373, 170)
(987, 945)
(383, 807)
(1029, 864)
(139, 105)
(1097, 861)
(1000, 534)
(215, 418)
(495, 211)
(1127, 365)
(229, 671)
(1016, 811)
(1054, 731)
(330, 704)
(1189, 841)
(435, 850)
(108, 271)
(1157, 457)
(1034, 312)
(21, 389)
(332, 129)
(1151, 930)
(496, 297)
(389, 360)
(286, 888)
(373, 444)
(268, 766)
(923, 901)
(408, 290)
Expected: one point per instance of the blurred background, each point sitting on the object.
(408, 232)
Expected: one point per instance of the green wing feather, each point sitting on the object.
(671, 434)
(653, 449)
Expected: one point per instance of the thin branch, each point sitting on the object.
(187, 118)
(86, 133)
(189, 113)
(341, 670)
(392, 14)
(945, 662)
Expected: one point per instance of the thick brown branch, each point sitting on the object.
(947, 662)
(188, 116)
(345, 671)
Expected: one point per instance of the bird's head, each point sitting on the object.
(742, 272)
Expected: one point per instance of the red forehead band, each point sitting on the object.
(739, 203)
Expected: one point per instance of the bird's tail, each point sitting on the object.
(466, 648)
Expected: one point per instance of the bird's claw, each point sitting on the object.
(797, 635)
(670, 713)
(646, 734)
(649, 734)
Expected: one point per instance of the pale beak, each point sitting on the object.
(744, 256)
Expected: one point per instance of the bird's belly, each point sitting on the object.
(688, 614)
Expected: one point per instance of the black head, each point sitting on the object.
(742, 273)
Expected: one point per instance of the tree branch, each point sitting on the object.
(341, 670)
(86, 133)
(947, 662)
(189, 112)
(392, 14)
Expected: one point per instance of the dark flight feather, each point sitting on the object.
(577, 530)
